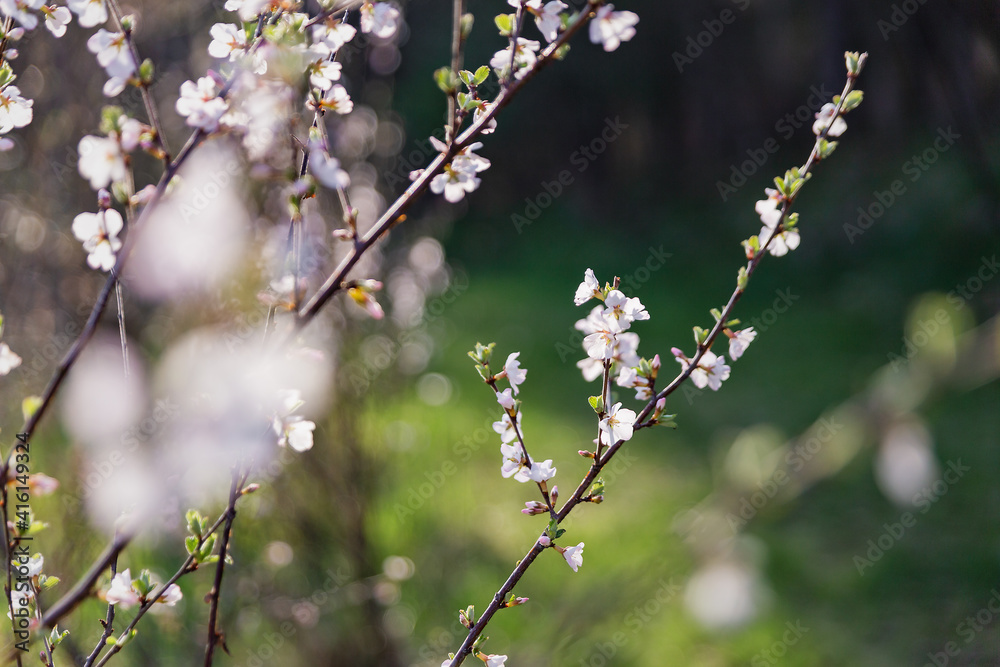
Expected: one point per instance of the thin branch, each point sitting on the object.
(600, 462)
(214, 637)
(457, 42)
(147, 96)
(108, 623)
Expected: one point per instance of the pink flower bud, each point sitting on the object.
(678, 353)
(103, 198)
(545, 541)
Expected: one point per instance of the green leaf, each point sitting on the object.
(191, 544)
(445, 80)
(853, 100)
(484, 372)
(743, 277)
(505, 22)
(597, 403)
(561, 52)
(146, 71)
(826, 148)
(700, 335)
(716, 313)
(481, 75)
(466, 27)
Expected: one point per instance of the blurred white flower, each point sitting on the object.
(196, 236)
(91, 12)
(8, 360)
(379, 18)
(823, 121)
(19, 11)
(610, 28)
(724, 595)
(327, 170)
(905, 464)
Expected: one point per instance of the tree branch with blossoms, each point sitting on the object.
(612, 349)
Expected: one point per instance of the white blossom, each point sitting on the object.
(574, 556)
(823, 119)
(322, 74)
(56, 20)
(201, 104)
(740, 341)
(15, 111)
(610, 28)
(101, 161)
(785, 241)
(515, 374)
(618, 423)
(113, 53)
(588, 289)
(454, 184)
(328, 38)
(525, 55)
(337, 100)
(99, 234)
(228, 41)
(505, 399)
(120, 592)
(505, 428)
(171, 596)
